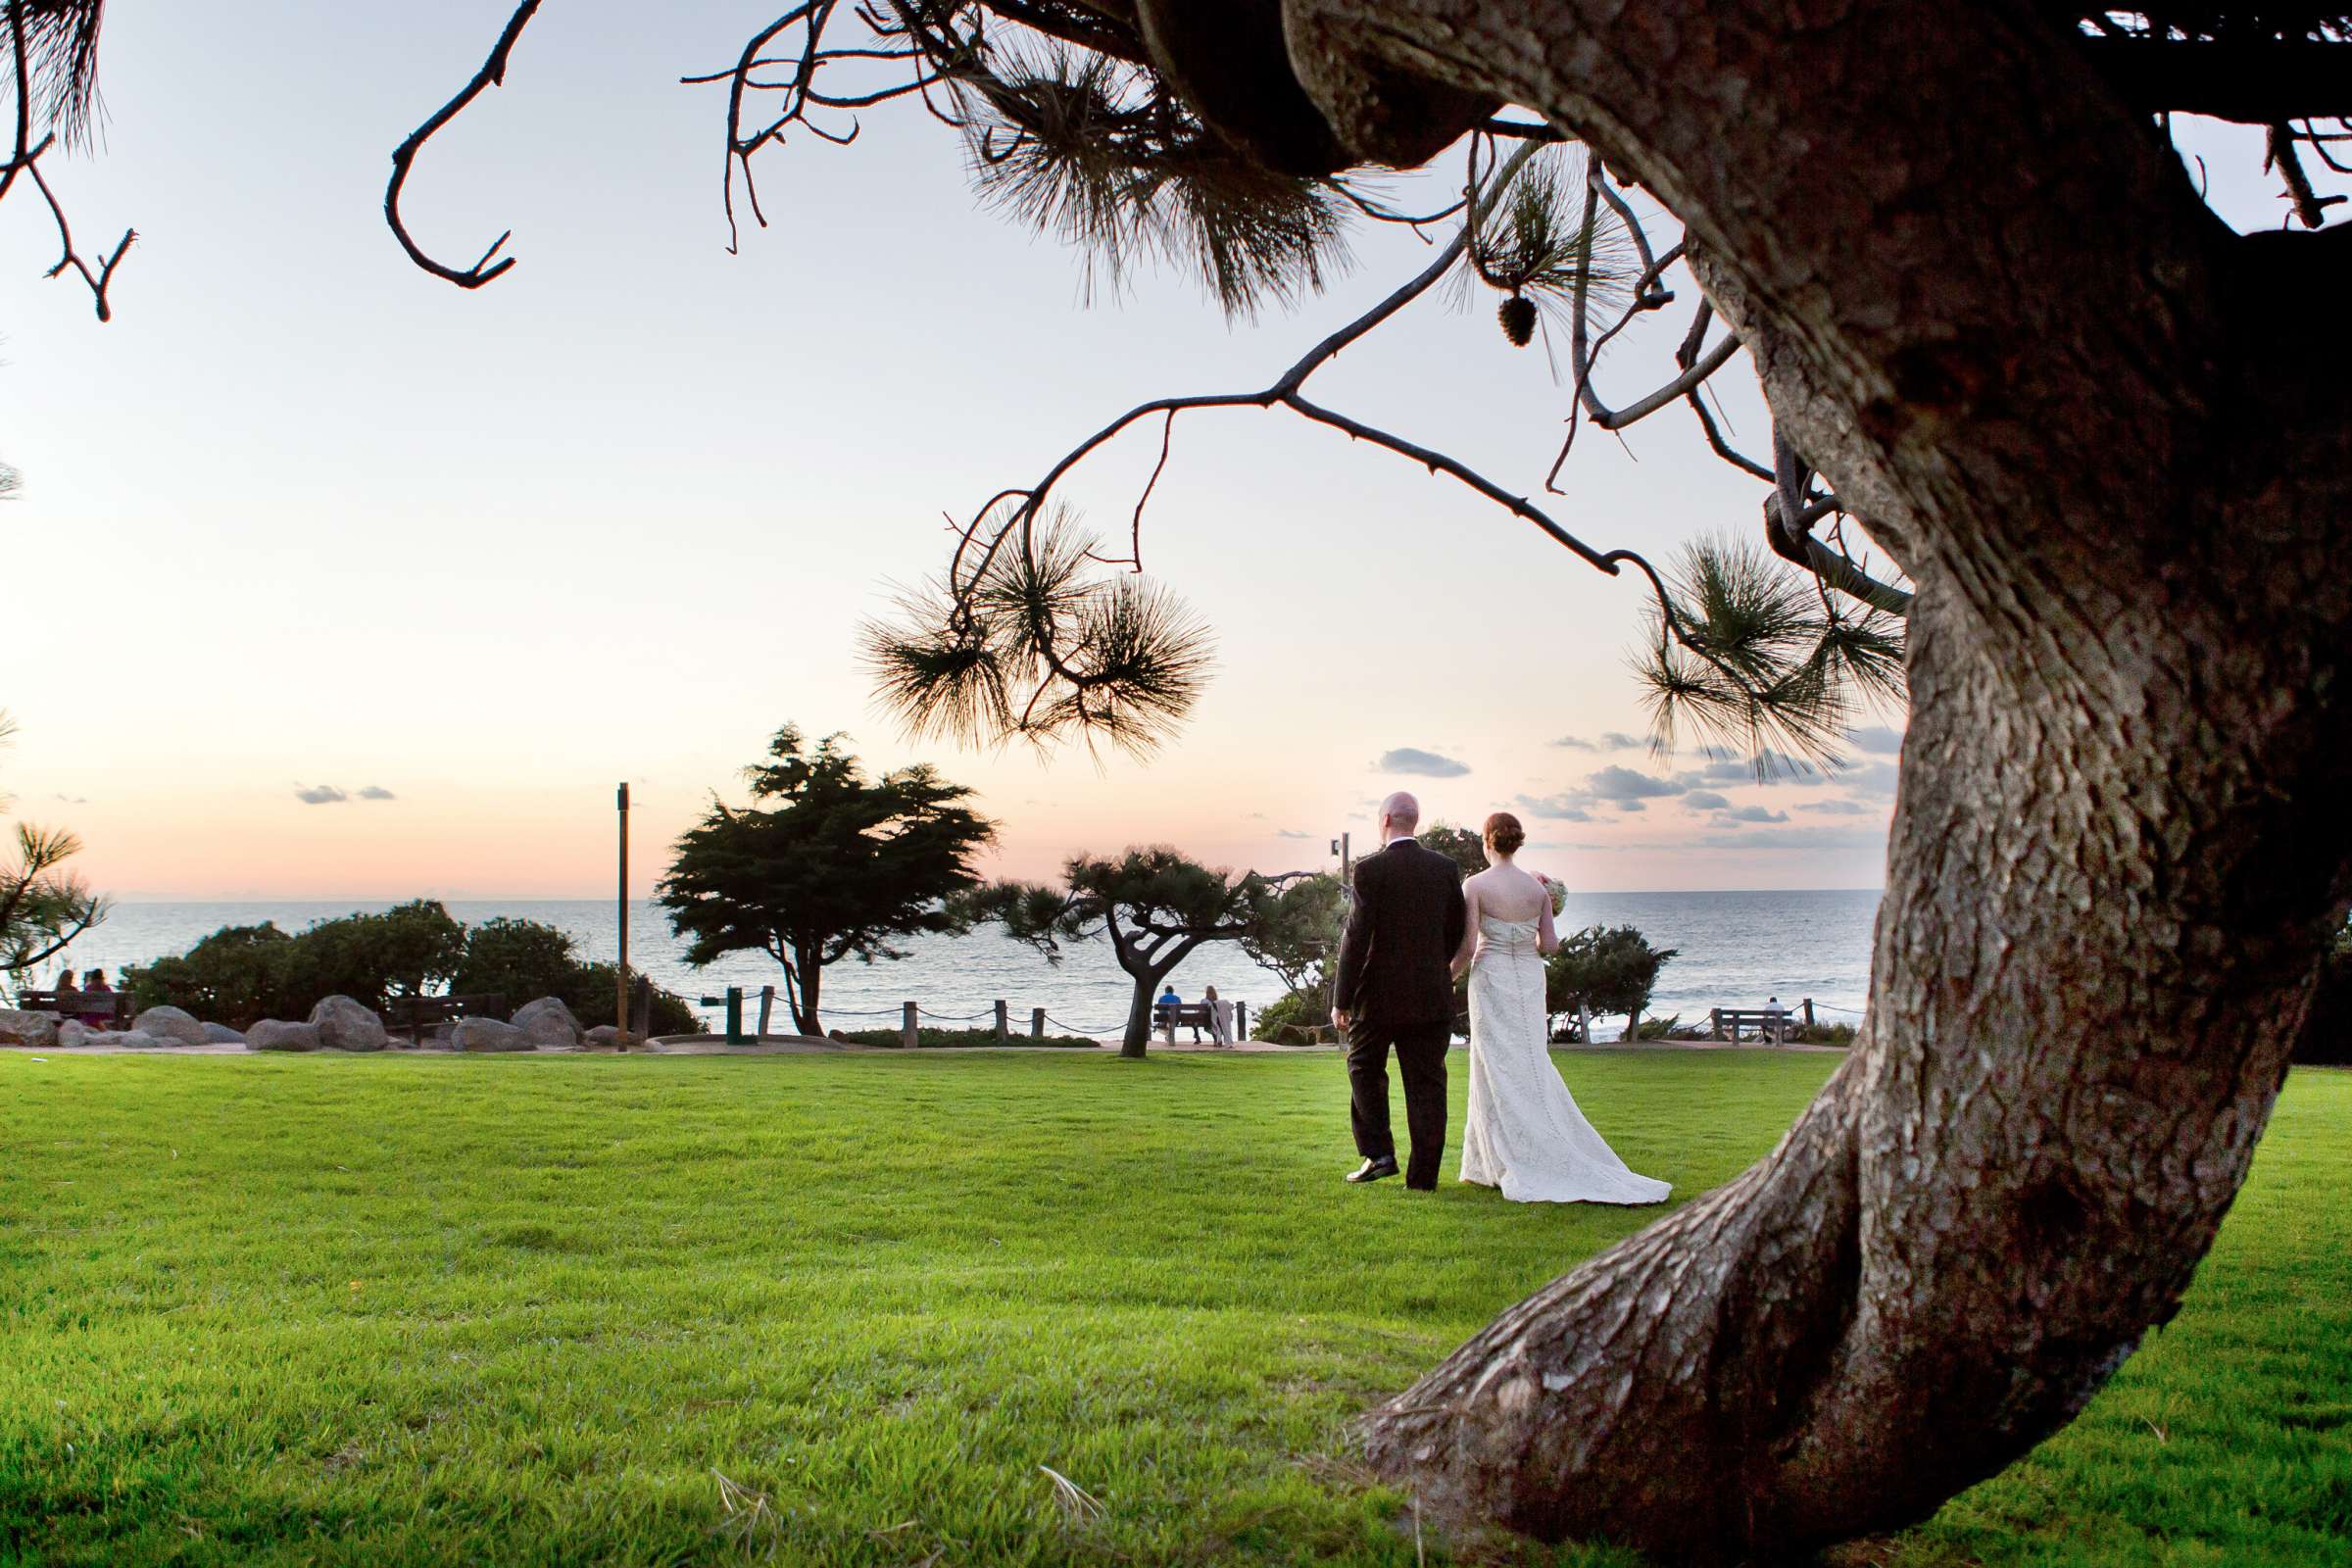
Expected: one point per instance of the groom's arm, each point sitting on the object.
(1356, 950)
(1458, 918)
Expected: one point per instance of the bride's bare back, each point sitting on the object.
(1507, 893)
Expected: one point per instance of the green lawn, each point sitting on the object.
(404, 1309)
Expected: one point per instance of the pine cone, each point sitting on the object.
(1518, 318)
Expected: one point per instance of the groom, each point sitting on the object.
(1395, 989)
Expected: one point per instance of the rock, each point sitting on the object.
(220, 1034)
(35, 1029)
(550, 1024)
(173, 1025)
(487, 1034)
(72, 1035)
(604, 1037)
(133, 1039)
(345, 1025)
(276, 1034)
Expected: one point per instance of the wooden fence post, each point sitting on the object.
(1037, 1023)
(767, 1004)
(908, 1028)
(1715, 1022)
(1808, 1014)
(1003, 1031)
(1240, 1022)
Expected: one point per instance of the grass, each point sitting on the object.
(1012, 1308)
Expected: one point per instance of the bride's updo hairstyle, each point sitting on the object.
(1504, 833)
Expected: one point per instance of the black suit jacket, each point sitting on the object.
(1402, 932)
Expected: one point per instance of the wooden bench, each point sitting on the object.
(416, 1014)
(1193, 1015)
(1773, 1024)
(114, 1006)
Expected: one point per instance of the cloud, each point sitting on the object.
(1618, 740)
(1420, 763)
(1567, 806)
(1630, 806)
(1291, 833)
(1576, 742)
(1835, 808)
(74, 800)
(1767, 766)
(1706, 801)
(1872, 780)
(1876, 738)
(1797, 838)
(1754, 813)
(1258, 816)
(319, 794)
(1623, 784)
(377, 792)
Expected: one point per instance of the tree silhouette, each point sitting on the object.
(825, 864)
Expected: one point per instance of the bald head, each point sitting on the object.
(1400, 815)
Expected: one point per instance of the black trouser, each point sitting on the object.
(1421, 1064)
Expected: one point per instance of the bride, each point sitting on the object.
(1525, 1135)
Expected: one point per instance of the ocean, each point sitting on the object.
(1731, 950)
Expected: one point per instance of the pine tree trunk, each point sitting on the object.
(805, 1015)
(1139, 1014)
(1988, 305)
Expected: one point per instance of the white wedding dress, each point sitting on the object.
(1525, 1132)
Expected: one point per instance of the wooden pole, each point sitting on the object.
(767, 1004)
(1004, 1031)
(620, 1015)
(909, 1026)
(1037, 1023)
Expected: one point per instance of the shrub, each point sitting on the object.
(405, 950)
(1289, 1020)
(235, 976)
(522, 960)
(242, 974)
(588, 991)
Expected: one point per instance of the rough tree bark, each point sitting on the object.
(1988, 304)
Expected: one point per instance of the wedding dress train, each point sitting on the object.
(1525, 1132)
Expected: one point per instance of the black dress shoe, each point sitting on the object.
(1372, 1170)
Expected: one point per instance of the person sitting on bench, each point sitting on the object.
(97, 1008)
(1220, 1017)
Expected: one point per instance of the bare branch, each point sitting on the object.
(492, 73)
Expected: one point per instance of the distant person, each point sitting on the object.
(1220, 1017)
(1169, 997)
(65, 983)
(1776, 1021)
(97, 1005)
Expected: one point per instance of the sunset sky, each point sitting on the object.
(334, 580)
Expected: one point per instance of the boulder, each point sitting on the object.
(173, 1025)
(220, 1034)
(276, 1034)
(550, 1024)
(344, 1024)
(604, 1037)
(72, 1035)
(35, 1029)
(131, 1040)
(487, 1034)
